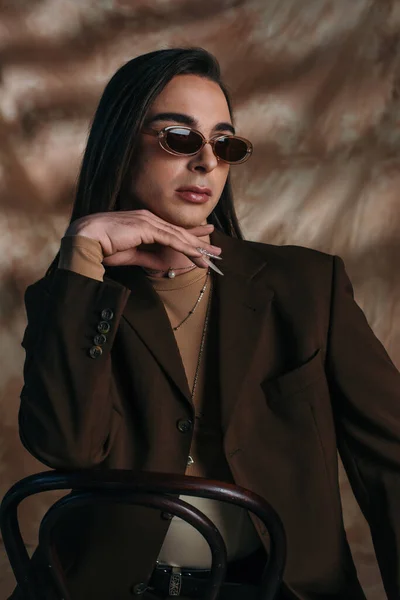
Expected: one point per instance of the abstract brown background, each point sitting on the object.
(316, 87)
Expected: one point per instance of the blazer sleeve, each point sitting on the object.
(65, 410)
(366, 400)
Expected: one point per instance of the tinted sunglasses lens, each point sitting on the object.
(183, 141)
(231, 149)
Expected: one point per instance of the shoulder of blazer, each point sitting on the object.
(290, 254)
(302, 280)
(284, 264)
(295, 272)
(293, 259)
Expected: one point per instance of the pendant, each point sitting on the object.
(171, 273)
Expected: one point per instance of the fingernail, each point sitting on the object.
(203, 251)
(211, 265)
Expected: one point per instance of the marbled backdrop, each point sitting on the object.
(316, 87)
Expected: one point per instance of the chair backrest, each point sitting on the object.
(155, 490)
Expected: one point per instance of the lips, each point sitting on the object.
(194, 194)
(195, 189)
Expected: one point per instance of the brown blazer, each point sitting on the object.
(301, 374)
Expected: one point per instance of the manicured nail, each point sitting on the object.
(211, 265)
(203, 251)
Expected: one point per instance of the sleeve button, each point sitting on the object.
(99, 339)
(107, 314)
(184, 425)
(103, 327)
(95, 351)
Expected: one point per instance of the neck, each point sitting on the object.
(172, 258)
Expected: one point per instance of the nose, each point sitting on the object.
(204, 161)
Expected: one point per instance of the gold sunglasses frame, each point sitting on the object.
(161, 134)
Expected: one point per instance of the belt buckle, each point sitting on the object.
(175, 582)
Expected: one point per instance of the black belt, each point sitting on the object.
(242, 579)
(193, 583)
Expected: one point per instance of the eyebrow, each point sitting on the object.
(186, 120)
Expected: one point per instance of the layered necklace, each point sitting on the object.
(208, 282)
(171, 271)
(196, 304)
(203, 339)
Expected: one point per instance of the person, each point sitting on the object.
(161, 340)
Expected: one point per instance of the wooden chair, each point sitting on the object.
(156, 490)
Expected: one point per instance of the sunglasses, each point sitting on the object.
(184, 141)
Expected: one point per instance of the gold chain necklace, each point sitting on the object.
(202, 292)
(203, 339)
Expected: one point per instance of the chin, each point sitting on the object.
(187, 221)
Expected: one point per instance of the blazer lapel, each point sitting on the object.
(244, 302)
(147, 316)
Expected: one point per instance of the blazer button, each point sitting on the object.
(139, 589)
(103, 327)
(95, 351)
(184, 425)
(99, 339)
(107, 314)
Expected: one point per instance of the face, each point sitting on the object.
(198, 103)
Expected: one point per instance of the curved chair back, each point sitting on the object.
(155, 490)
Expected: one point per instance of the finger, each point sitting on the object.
(144, 213)
(175, 242)
(148, 213)
(156, 235)
(200, 230)
(134, 257)
(149, 260)
(123, 257)
(190, 237)
(186, 235)
(141, 258)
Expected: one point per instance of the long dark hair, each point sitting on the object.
(115, 128)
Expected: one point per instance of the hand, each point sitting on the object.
(124, 235)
